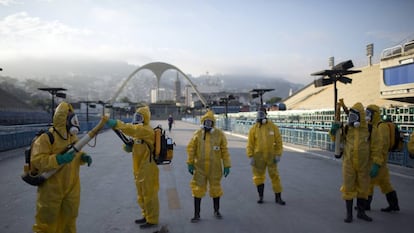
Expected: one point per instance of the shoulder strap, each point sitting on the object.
(51, 138)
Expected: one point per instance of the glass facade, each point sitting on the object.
(399, 75)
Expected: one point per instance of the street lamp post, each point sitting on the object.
(54, 91)
(226, 100)
(332, 76)
(336, 74)
(103, 106)
(259, 93)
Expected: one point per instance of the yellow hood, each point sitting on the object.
(360, 108)
(146, 113)
(376, 118)
(61, 115)
(209, 115)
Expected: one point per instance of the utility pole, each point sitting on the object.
(54, 91)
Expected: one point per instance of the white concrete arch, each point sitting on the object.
(158, 68)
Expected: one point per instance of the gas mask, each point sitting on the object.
(261, 117)
(354, 118)
(208, 125)
(137, 118)
(72, 124)
(369, 114)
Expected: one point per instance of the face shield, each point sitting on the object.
(261, 117)
(354, 118)
(138, 118)
(72, 124)
(208, 124)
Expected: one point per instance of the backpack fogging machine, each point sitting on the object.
(161, 151)
(38, 179)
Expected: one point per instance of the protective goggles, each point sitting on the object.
(369, 113)
(353, 116)
(260, 115)
(208, 124)
(137, 118)
(73, 120)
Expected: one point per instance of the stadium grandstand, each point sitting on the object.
(15, 112)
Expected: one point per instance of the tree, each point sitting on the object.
(274, 100)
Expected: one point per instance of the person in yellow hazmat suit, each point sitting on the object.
(58, 197)
(410, 145)
(361, 149)
(208, 161)
(380, 175)
(264, 149)
(146, 173)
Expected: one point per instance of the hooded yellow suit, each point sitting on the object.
(208, 152)
(383, 177)
(146, 173)
(263, 145)
(410, 144)
(58, 198)
(359, 151)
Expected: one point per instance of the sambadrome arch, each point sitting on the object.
(158, 68)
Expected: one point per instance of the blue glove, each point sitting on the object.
(111, 123)
(87, 159)
(335, 126)
(127, 148)
(277, 159)
(66, 157)
(374, 170)
(190, 168)
(226, 171)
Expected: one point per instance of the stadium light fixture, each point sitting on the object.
(335, 74)
(54, 91)
(259, 93)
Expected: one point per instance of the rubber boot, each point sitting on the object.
(368, 206)
(260, 190)
(216, 202)
(197, 202)
(278, 199)
(140, 221)
(147, 225)
(349, 204)
(361, 204)
(392, 200)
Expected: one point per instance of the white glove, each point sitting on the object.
(277, 159)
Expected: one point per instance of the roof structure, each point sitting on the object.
(364, 88)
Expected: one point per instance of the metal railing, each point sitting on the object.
(312, 137)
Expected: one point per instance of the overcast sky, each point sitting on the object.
(288, 39)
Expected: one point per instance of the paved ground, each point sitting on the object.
(311, 181)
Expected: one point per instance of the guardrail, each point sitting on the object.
(16, 136)
(312, 137)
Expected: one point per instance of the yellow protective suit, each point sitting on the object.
(264, 144)
(208, 153)
(359, 150)
(410, 144)
(383, 178)
(58, 198)
(146, 173)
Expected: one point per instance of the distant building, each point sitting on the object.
(177, 90)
